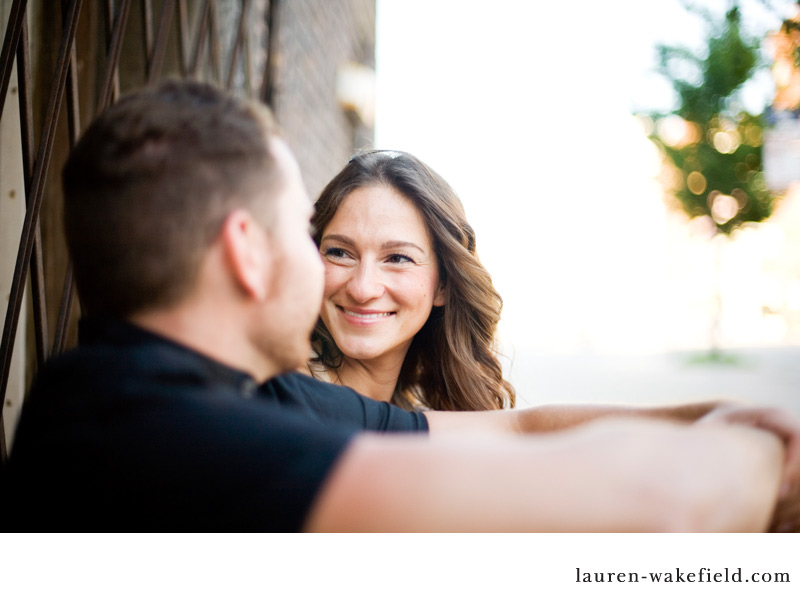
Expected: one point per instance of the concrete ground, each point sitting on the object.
(769, 376)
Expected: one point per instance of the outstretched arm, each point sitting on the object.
(605, 476)
(557, 417)
(783, 424)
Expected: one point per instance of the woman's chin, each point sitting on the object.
(362, 354)
(373, 353)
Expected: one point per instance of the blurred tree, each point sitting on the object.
(712, 141)
(712, 145)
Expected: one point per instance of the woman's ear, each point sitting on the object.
(440, 298)
(247, 252)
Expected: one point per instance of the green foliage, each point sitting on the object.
(719, 155)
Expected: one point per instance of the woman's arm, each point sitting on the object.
(605, 476)
(557, 417)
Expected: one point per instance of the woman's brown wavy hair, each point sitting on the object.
(452, 362)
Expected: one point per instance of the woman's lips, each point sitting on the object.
(363, 316)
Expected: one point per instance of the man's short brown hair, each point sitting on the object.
(148, 186)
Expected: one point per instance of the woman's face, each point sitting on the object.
(381, 276)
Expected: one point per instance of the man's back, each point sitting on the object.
(134, 432)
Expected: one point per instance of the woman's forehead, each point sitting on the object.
(379, 212)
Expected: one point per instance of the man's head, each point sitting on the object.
(159, 179)
(148, 186)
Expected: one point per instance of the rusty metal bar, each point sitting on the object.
(74, 126)
(156, 58)
(247, 66)
(38, 298)
(202, 32)
(10, 42)
(147, 27)
(238, 43)
(73, 105)
(183, 28)
(34, 206)
(64, 311)
(267, 93)
(114, 49)
(109, 14)
(216, 52)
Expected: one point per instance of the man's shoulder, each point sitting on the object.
(92, 371)
(337, 405)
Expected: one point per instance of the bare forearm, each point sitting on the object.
(609, 476)
(558, 417)
(548, 418)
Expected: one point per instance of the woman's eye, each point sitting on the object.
(335, 253)
(399, 258)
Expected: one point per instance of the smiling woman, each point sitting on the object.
(409, 313)
(382, 280)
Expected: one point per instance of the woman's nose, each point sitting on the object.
(365, 284)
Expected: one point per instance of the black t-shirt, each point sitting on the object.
(133, 432)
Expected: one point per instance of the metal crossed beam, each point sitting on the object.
(36, 163)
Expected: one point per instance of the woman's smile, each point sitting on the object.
(363, 316)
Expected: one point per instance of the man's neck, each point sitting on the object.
(215, 336)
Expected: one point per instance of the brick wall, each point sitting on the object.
(315, 38)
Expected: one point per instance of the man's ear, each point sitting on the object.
(247, 251)
(440, 298)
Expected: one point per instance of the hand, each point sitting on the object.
(784, 425)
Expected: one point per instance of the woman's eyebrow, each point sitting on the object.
(339, 238)
(385, 245)
(400, 244)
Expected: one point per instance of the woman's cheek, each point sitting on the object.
(335, 277)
